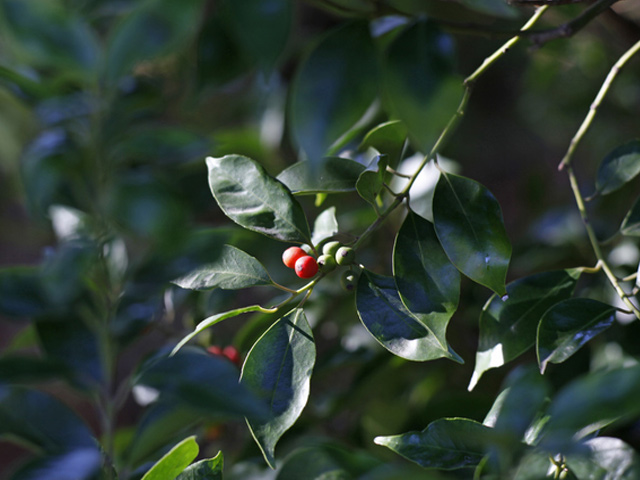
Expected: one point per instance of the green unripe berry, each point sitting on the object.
(345, 256)
(326, 263)
(331, 248)
(348, 280)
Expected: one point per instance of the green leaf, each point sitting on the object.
(209, 469)
(469, 224)
(253, 199)
(392, 325)
(325, 226)
(492, 7)
(428, 284)
(331, 175)
(388, 139)
(568, 325)
(175, 461)
(420, 85)
(447, 443)
(22, 369)
(234, 269)
(22, 292)
(618, 167)
(631, 223)
(212, 320)
(85, 463)
(333, 89)
(605, 458)
(278, 369)
(508, 326)
(589, 403)
(370, 183)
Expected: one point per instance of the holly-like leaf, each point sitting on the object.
(253, 199)
(370, 183)
(568, 325)
(508, 325)
(420, 85)
(398, 330)
(388, 139)
(618, 167)
(278, 369)
(329, 175)
(325, 226)
(174, 461)
(469, 224)
(209, 469)
(234, 269)
(631, 223)
(447, 443)
(428, 284)
(333, 89)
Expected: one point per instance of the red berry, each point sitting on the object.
(291, 255)
(214, 350)
(306, 267)
(232, 354)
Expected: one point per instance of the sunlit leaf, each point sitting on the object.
(469, 224)
(209, 469)
(325, 226)
(605, 458)
(618, 167)
(568, 325)
(329, 175)
(255, 200)
(174, 461)
(388, 139)
(278, 369)
(631, 223)
(370, 183)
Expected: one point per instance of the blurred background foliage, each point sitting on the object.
(107, 110)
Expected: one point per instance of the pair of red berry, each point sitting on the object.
(229, 352)
(304, 264)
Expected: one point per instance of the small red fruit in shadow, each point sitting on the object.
(306, 267)
(291, 255)
(229, 352)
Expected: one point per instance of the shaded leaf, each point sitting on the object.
(22, 369)
(388, 139)
(568, 325)
(631, 223)
(469, 224)
(420, 86)
(508, 326)
(325, 226)
(618, 167)
(234, 269)
(278, 369)
(491, 7)
(392, 325)
(255, 200)
(370, 183)
(209, 469)
(85, 463)
(333, 89)
(447, 443)
(331, 175)
(22, 293)
(174, 461)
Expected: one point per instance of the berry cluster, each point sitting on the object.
(333, 254)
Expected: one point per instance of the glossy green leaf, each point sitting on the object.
(234, 269)
(333, 89)
(253, 199)
(420, 86)
(392, 325)
(260, 27)
(568, 325)
(331, 175)
(428, 284)
(325, 226)
(388, 139)
(22, 293)
(212, 320)
(209, 469)
(447, 443)
(85, 463)
(508, 326)
(589, 403)
(605, 458)
(174, 461)
(631, 223)
(370, 183)
(278, 369)
(469, 224)
(618, 167)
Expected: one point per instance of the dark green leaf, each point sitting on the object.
(631, 223)
(209, 469)
(568, 325)
(392, 325)
(331, 175)
(428, 284)
(469, 224)
(491, 7)
(255, 200)
(370, 183)
(420, 86)
(325, 226)
(388, 139)
(618, 167)
(234, 269)
(22, 369)
(85, 463)
(508, 327)
(21, 292)
(278, 369)
(333, 89)
(447, 443)
(175, 461)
